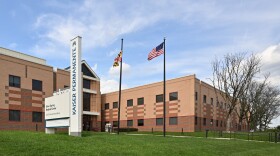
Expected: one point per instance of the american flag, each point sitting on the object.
(156, 52)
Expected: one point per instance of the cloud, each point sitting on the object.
(113, 52)
(94, 68)
(271, 63)
(110, 85)
(102, 22)
(115, 71)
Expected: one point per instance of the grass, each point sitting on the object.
(38, 143)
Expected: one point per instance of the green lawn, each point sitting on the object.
(32, 143)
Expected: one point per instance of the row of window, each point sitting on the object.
(218, 104)
(14, 81)
(211, 122)
(140, 122)
(140, 101)
(14, 115)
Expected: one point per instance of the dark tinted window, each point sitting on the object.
(36, 116)
(37, 85)
(14, 81)
(173, 121)
(211, 122)
(204, 121)
(86, 71)
(115, 104)
(106, 105)
(204, 98)
(159, 121)
(129, 122)
(140, 101)
(196, 96)
(140, 122)
(195, 120)
(115, 123)
(129, 102)
(159, 98)
(86, 83)
(86, 101)
(173, 96)
(14, 115)
(212, 101)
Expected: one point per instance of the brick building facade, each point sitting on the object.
(26, 81)
(191, 105)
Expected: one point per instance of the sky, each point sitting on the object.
(196, 31)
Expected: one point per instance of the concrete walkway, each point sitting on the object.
(175, 136)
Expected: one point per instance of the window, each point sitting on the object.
(159, 121)
(173, 96)
(140, 101)
(129, 102)
(14, 81)
(36, 116)
(86, 83)
(221, 124)
(129, 123)
(218, 103)
(106, 106)
(211, 122)
(204, 121)
(115, 104)
(217, 123)
(86, 71)
(36, 85)
(115, 123)
(195, 120)
(196, 96)
(159, 98)
(173, 121)
(212, 101)
(140, 122)
(14, 115)
(66, 86)
(86, 101)
(221, 106)
(204, 98)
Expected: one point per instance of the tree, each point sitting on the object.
(232, 76)
(270, 106)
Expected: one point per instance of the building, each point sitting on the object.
(191, 105)
(26, 81)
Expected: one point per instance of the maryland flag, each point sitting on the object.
(118, 59)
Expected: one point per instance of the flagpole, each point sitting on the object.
(120, 89)
(164, 103)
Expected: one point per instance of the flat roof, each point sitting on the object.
(22, 56)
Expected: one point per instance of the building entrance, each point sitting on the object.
(87, 123)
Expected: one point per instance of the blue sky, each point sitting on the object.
(196, 32)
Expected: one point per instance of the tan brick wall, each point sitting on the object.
(27, 100)
(183, 107)
(24, 98)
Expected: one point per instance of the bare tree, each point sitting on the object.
(269, 107)
(252, 100)
(231, 78)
